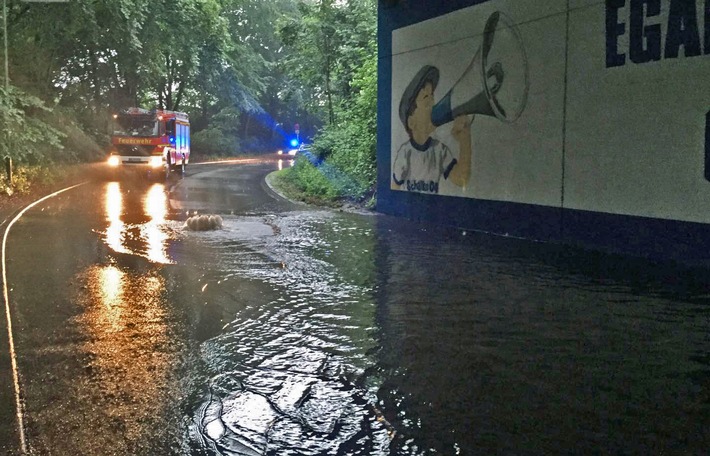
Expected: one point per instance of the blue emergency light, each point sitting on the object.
(294, 143)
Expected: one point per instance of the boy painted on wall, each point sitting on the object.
(423, 161)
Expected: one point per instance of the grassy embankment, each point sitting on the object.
(345, 151)
(324, 184)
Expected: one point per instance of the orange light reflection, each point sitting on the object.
(156, 207)
(111, 280)
(114, 209)
(126, 322)
(148, 239)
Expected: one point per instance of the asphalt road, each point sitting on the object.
(105, 327)
(296, 331)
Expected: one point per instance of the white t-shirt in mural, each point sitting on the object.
(420, 167)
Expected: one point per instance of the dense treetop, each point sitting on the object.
(245, 70)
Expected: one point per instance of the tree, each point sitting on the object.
(25, 136)
(341, 49)
(328, 40)
(261, 64)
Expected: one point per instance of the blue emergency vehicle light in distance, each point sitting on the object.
(294, 143)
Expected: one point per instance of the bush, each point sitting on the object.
(311, 180)
(221, 137)
(347, 150)
(78, 145)
(25, 136)
(26, 178)
(349, 158)
(213, 141)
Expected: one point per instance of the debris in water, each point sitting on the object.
(204, 222)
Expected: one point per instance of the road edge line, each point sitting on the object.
(19, 410)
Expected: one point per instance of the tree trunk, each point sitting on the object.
(178, 97)
(169, 83)
(95, 79)
(328, 93)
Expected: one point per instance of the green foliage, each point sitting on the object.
(339, 40)
(348, 164)
(309, 181)
(328, 41)
(79, 145)
(352, 144)
(26, 177)
(245, 70)
(364, 83)
(349, 147)
(26, 138)
(212, 141)
(221, 137)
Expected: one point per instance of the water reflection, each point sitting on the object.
(110, 292)
(492, 346)
(289, 366)
(144, 233)
(114, 210)
(132, 355)
(156, 207)
(379, 337)
(130, 328)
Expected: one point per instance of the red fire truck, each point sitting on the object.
(151, 140)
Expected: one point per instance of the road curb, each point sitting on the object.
(351, 209)
(269, 180)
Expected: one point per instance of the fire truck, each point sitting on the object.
(157, 141)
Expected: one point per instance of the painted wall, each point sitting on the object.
(575, 120)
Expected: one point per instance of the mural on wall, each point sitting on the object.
(588, 106)
(436, 157)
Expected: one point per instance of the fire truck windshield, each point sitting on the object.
(131, 125)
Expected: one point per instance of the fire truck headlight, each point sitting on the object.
(156, 162)
(113, 161)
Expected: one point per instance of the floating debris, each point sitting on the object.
(204, 223)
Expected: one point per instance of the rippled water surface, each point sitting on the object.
(326, 333)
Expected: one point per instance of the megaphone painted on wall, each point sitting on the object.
(495, 83)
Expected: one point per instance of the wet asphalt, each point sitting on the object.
(103, 308)
(293, 330)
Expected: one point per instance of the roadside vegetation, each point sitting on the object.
(343, 49)
(246, 71)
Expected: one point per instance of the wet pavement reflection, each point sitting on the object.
(143, 234)
(105, 350)
(298, 331)
(376, 336)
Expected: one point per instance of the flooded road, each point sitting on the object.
(298, 331)
(379, 337)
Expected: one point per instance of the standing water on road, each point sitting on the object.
(330, 333)
(289, 365)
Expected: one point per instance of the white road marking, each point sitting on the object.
(6, 295)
